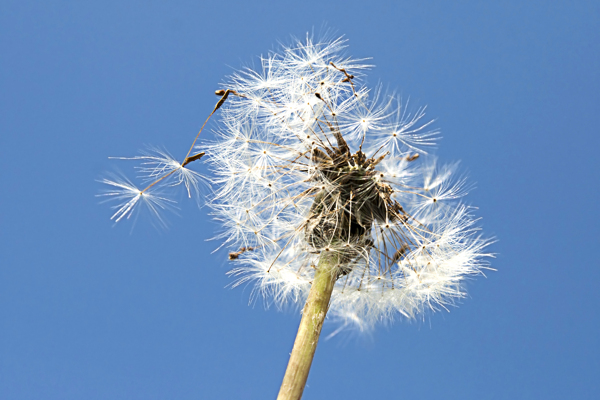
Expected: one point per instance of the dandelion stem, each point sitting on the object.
(313, 317)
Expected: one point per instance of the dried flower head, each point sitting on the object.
(309, 160)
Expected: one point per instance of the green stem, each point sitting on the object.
(313, 316)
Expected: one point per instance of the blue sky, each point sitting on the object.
(89, 310)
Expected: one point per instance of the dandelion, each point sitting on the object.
(326, 196)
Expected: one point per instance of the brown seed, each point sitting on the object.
(237, 254)
(400, 252)
(192, 158)
(224, 95)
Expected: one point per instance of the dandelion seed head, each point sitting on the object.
(308, 160)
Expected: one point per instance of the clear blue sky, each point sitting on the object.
(92, 311)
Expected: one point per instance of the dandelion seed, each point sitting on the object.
(156, 163)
